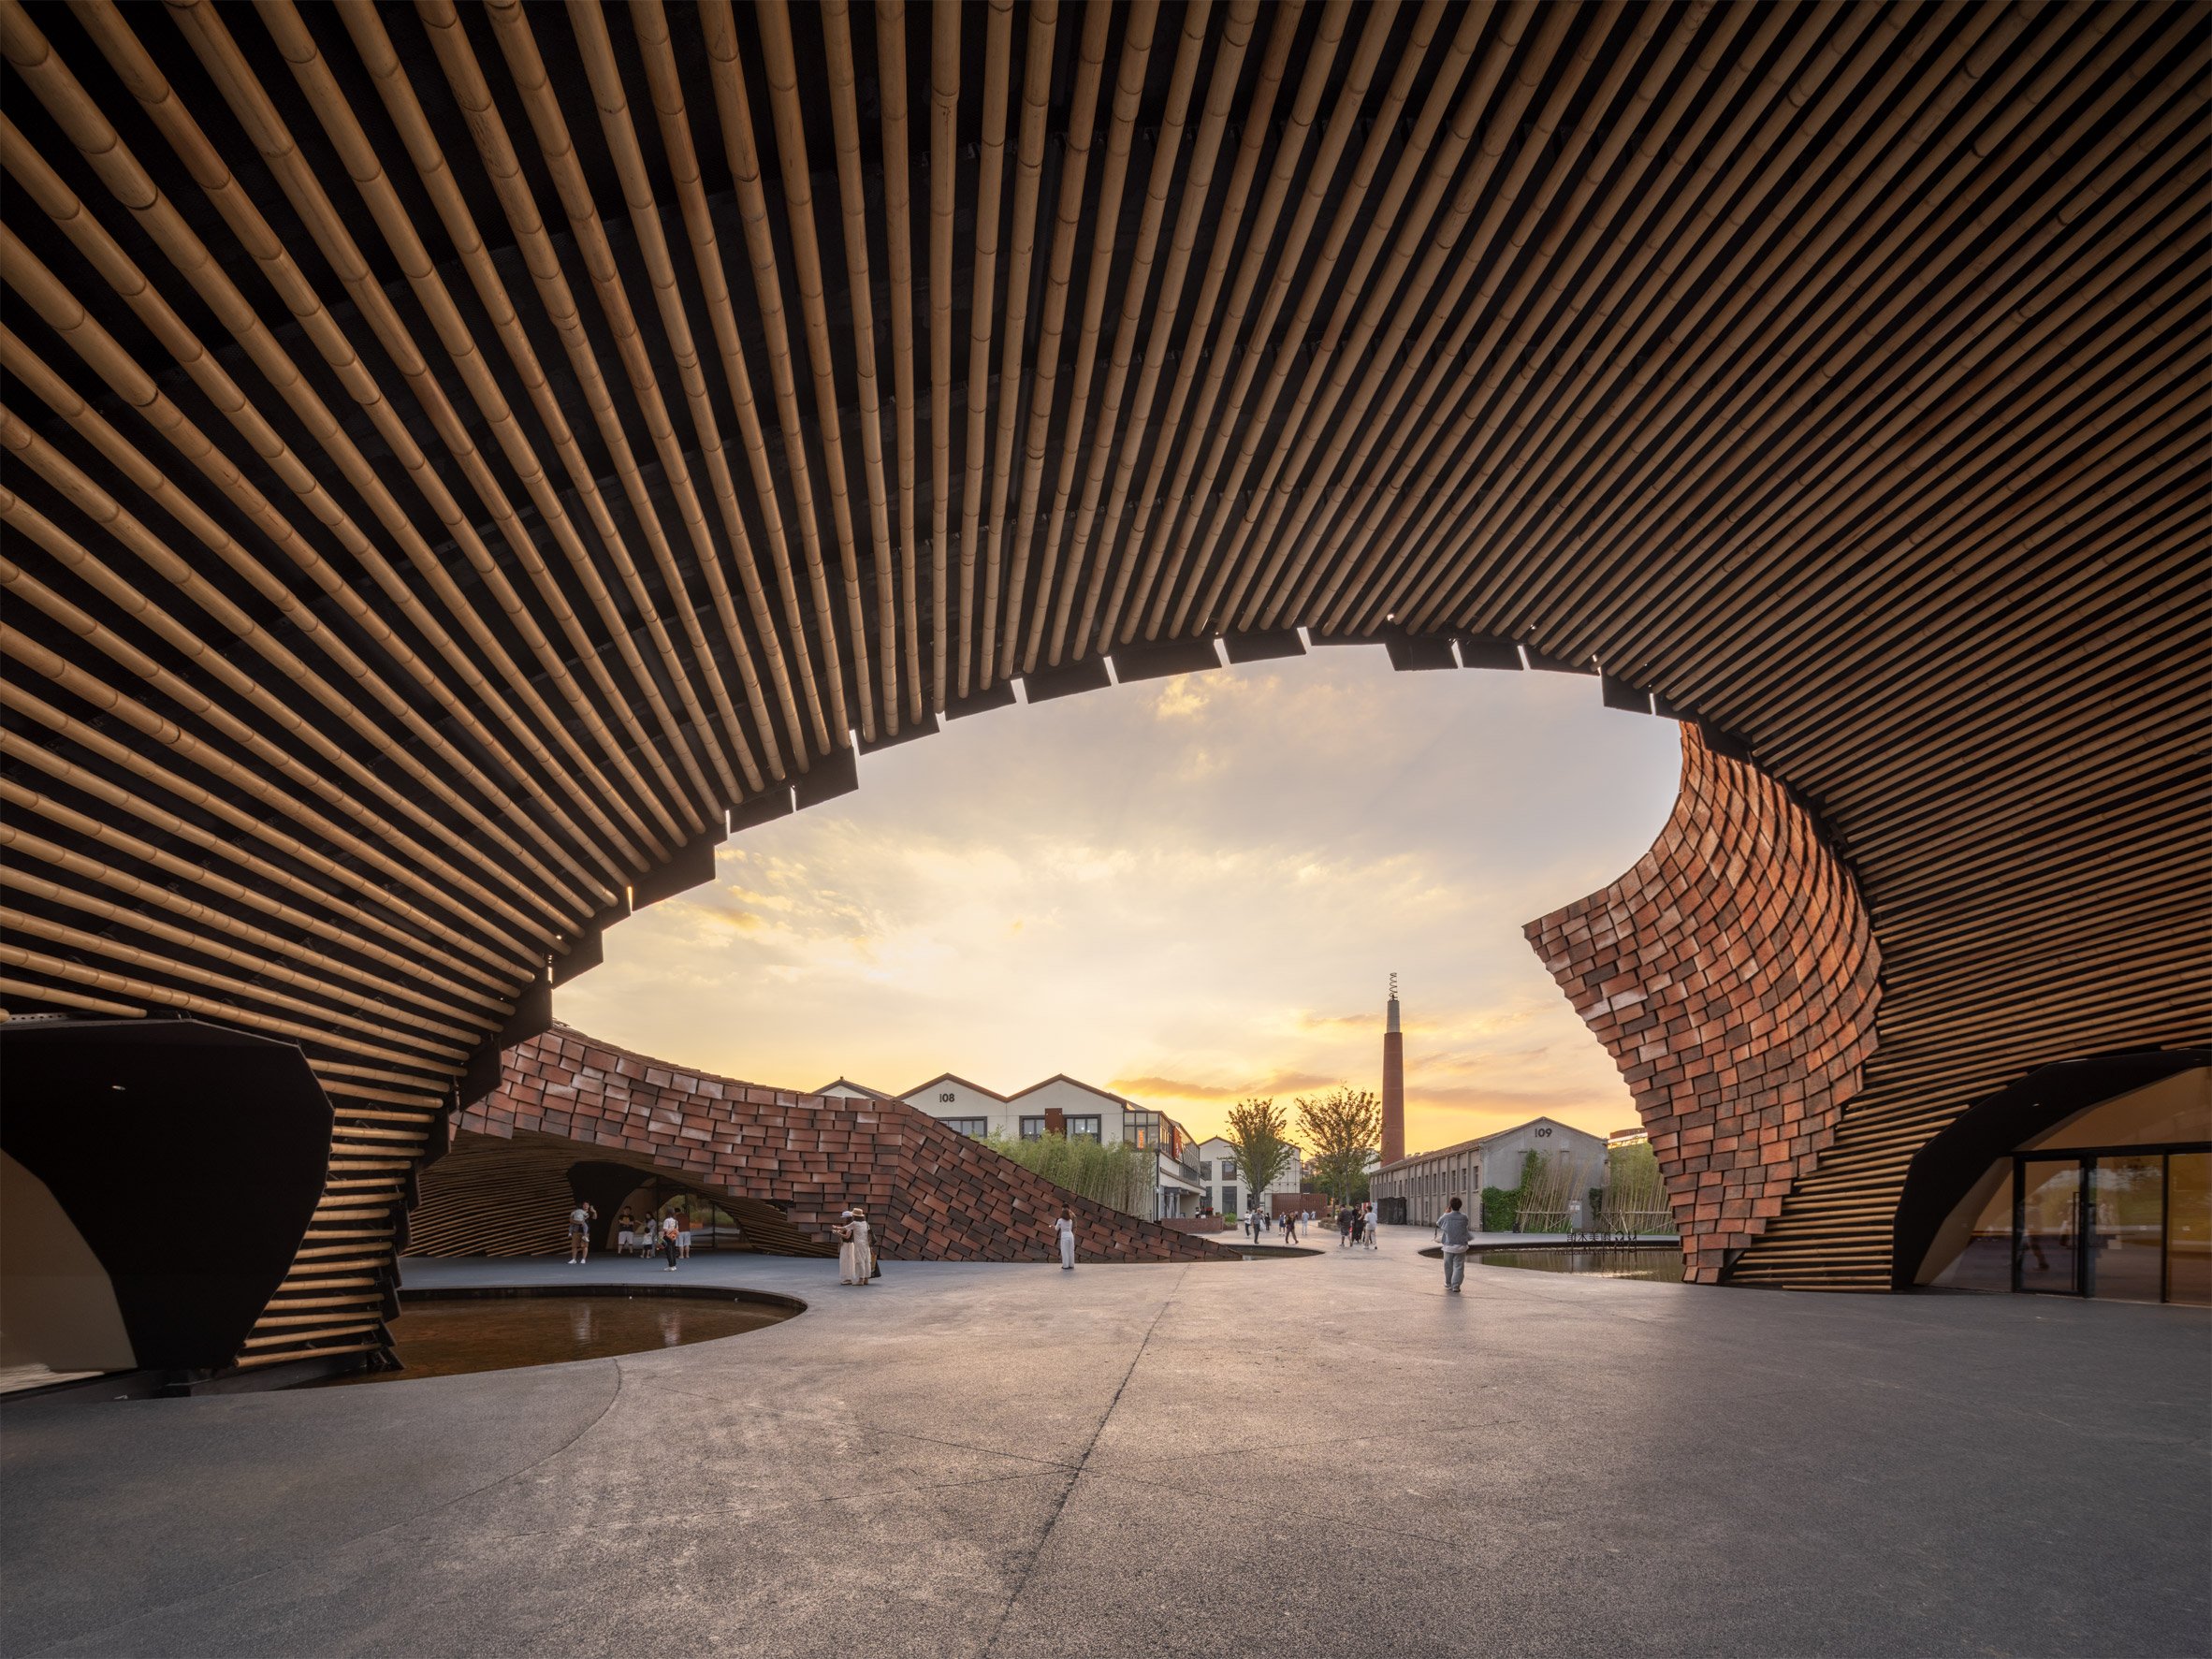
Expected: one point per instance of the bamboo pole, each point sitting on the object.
(734, 107)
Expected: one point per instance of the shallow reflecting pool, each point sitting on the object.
(446, 1337)
(1663, 1264)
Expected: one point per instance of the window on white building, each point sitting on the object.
(1229, 1200)
(1033, 1129)
(1082, 1129)
(1206, 1173)
(1229, 1169)
(977, 1126)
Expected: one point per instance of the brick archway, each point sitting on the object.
(931, 1192)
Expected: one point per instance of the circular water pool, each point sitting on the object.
(449, 1333)
(1658, 1263)
(1662, 1264)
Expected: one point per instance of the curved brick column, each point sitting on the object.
(1734, 978)
(932, 1193)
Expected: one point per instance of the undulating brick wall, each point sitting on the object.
(932, 1193)
(1734, 978)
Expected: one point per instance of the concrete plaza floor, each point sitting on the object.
(1310, 1454)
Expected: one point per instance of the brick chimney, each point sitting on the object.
(1393, 1089)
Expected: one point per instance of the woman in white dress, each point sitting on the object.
(848, 1249)
(863, 1248)
(1065, 1227)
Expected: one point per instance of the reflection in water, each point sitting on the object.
(1664, 1265)
(447, 1338)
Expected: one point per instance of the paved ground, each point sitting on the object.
(1314, 1454)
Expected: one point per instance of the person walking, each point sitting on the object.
(683, 1233)
(1453, 1230)
(1374, 1224)
(1065, 1227)
(625, 1231)
(1344, 1227)
(668, 1238)
(579, 1233)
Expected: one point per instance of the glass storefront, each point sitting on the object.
(2113, 1203)
(2128, 1225)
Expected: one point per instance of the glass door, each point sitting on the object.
(2127, 1205)
(2188, 1228)
(2046, 1228)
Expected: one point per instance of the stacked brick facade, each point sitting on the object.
(931, 1192)
(1734, 977)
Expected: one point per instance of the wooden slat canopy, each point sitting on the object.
(460, 461)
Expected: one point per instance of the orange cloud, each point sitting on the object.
(1178, 1088)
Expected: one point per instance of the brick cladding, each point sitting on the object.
(1734, 978)
(932, 1193)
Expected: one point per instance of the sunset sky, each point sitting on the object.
(1188, 891)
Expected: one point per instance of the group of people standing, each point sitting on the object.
(1357, 1227)
(670, 1236)
(857, 1248)
(1257, 1226)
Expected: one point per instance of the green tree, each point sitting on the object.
(1255, 1130)
(1342, 1129)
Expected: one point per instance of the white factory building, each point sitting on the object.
(1060, 1105)
(1227, 1192)
(1427, 1181)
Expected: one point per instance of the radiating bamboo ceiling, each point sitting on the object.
(455, 458)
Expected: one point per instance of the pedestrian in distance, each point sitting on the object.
(1359, 1225)
(579, 1233)
(625, 1231)
(1065, 1227)
(1453, 1231)
(669, 1248)
(1373, 1225)
(683, 1233)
